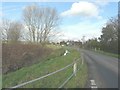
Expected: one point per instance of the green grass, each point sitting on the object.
(109, 54)
(0, 81)
(56, 53)
(80, 79)
(43, 68)
(53, 46)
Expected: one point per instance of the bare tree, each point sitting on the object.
(11, 31)
(40, 22)
(5, 28)
(51, 21)
(14, 32)
(32, 19)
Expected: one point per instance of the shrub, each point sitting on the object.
(16, 56)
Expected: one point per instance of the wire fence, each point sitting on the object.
(74, 73)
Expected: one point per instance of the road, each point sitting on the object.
(102, 69)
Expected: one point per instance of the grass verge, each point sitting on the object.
(109, 54)
(80, 79)
(0, 81)
(43, 68)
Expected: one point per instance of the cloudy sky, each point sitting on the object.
(79, 18)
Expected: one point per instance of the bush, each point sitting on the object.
(16, 56)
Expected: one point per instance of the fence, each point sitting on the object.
(74, 73)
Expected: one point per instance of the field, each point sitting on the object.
(52, 63)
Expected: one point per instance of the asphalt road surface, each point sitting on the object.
(102, 69)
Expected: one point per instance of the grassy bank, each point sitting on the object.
(80, 79)
(109, 54)
(0, 81)
(54, 62)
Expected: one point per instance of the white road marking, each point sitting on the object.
(93, 84)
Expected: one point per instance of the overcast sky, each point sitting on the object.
(80, 18)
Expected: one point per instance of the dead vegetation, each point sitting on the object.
(16, 56)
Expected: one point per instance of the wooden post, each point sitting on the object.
(75, 68)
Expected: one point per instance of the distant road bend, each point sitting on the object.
(102, 69)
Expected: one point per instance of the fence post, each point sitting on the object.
(75, 68)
